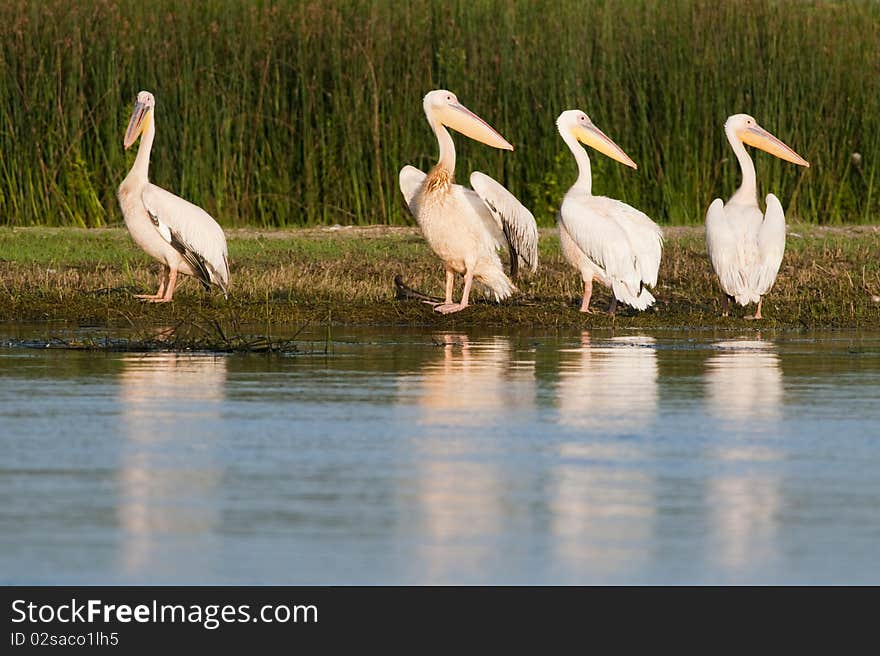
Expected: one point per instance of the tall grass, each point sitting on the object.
(289, 113)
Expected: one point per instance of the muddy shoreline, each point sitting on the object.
(830, 279)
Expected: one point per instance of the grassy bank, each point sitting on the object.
(283, 113)
(830, 278)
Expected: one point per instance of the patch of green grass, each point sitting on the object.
(69, 247)
(830, 278)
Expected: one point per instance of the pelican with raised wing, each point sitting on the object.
(603, 238)
(746, 245)
(181, 236)
(466, 227)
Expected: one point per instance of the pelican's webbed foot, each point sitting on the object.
(757, 315)
(449, 308)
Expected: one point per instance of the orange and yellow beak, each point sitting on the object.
(461, 119)
(140, 118)
(759, 138)
(594, 138)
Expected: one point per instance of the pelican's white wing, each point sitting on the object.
(192, 232)
(644, 235)
(411, 179)
(771, 246)
(600, 237)
(516, 221)
(725, 252)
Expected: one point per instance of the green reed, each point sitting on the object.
(297, 113)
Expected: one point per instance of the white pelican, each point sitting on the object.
(182, 236)
(746, 246)
(603, 238)
(465, 227)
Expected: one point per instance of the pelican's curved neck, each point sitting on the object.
(141, 166)
(748, 190)
(447, 148)
(584, 181)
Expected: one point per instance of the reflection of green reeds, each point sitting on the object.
(294, 113)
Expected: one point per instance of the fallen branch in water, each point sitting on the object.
(189, 336)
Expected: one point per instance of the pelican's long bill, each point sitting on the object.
(136, 124)
(461, 119)
(759, 138)
(595, 138)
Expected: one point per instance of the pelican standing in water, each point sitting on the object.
(181, 236)
(745, 245)
(603, 238)
(466, 227)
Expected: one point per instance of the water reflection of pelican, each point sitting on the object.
(744, 381)
(474, 382)
(611, 388)
(603, 505)
(167, 476)
(745, 392)
(458, 494)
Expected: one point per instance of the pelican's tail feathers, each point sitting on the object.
(639, 301)
(496, 282)
(746, 297)
(646, 299)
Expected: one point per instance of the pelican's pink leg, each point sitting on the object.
(450, 287)
(612, 307)
(449, 308)
(588, 294)
(163, 281)
(757, 315)
(169, 289)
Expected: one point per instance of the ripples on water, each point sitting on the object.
(447, 458)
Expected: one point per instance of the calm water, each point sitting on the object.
(447, 458)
